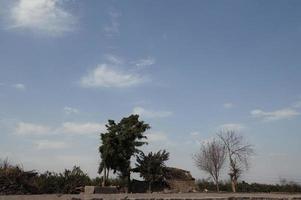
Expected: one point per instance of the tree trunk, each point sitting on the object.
(149, 187)
(233, 184)
(104, 177)
(217, 185)
(129, 182)
(107, 178)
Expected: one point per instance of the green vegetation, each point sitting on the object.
(243, 186)
(14, 180)
(67, 182)
(119, 144)
(152, 166)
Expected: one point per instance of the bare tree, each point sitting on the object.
(210, 159)
(238, 152)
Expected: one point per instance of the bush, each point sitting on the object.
(67, 182)
(14, 180)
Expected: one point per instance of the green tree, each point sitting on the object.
(122, 141)
(151, 166)
(109, 151)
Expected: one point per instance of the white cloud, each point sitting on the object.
(150, 113)
(285, 113)
(156, 136)
(145, 62)
(114, 59)
(195, 133)
(24, 128)
(70, 110)
(105, 76)
(232, 126)
(228, 105)
(19, 86)
(42, 16)
(82, 128)
(47, 144)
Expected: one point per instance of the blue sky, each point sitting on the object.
(189, 68)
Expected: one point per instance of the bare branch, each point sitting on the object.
(238, 152)
(210, 159)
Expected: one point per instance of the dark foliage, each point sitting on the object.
(14, 180)
(243, 186)
(119, 143)
(67, 182)
(152, 166)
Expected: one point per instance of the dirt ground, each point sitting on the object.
(154, 196)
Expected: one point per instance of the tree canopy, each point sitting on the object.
(152, 166)
(121, 141)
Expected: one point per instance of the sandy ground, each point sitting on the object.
(153, 196)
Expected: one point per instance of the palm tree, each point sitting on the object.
(152, 166)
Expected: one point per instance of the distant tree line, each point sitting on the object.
(226, 186)
(14, 180)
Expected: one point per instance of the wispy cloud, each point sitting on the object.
(69, 110)
(105, 76)
(82, 128)
(194, 134)
(42, 16)
(24, 128)
(145, 62)
(151, 113)
(285, 113)
(228, 105)
(114, 59)
(232, 126)
(71, 128)
(48, 144)
(19, 86)
(112, 28)
(156, 136)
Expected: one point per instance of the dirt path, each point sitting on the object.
(160, 196)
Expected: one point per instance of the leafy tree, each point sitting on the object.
(120, 143)
(151, 166)
(109, 151)
(211, 159)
